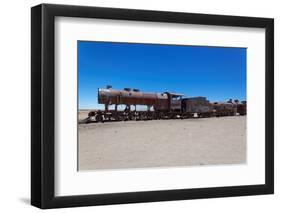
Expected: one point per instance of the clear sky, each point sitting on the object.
(217, 73)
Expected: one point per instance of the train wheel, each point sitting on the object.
(115, 117)
(99, 118)
(131, 117)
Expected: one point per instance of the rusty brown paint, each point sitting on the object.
(129, 97)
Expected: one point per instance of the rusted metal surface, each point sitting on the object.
(126, 97)
(166, 105)
(242, 108)
(161, 103)
(228, 108)
(197, 105)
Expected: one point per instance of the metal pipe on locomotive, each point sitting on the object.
(166, 105)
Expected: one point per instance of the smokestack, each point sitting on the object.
(127, 89)
(229, 101)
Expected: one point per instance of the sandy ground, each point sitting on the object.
(162, 143)
(82, 114)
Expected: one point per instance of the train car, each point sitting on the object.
(198, 106)
(157, 105)
(230, 108)
(166, 105)
(224, 109)
(242, 108)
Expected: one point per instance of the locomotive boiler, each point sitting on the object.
(132, 97)
(165, 105)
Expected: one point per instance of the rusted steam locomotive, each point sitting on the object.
(166, 105)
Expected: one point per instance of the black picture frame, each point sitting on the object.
(43, 117)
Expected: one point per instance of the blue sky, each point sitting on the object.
(217, 73)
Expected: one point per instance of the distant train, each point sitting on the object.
(166, 105)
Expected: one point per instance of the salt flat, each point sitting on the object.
(162, 143)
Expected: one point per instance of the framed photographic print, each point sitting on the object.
(139, 106)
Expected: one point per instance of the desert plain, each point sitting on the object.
(161, 143)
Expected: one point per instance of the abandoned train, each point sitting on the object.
(166, 105)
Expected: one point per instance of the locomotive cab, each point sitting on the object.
(174, 101)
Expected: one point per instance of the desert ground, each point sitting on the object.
(161, 143)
